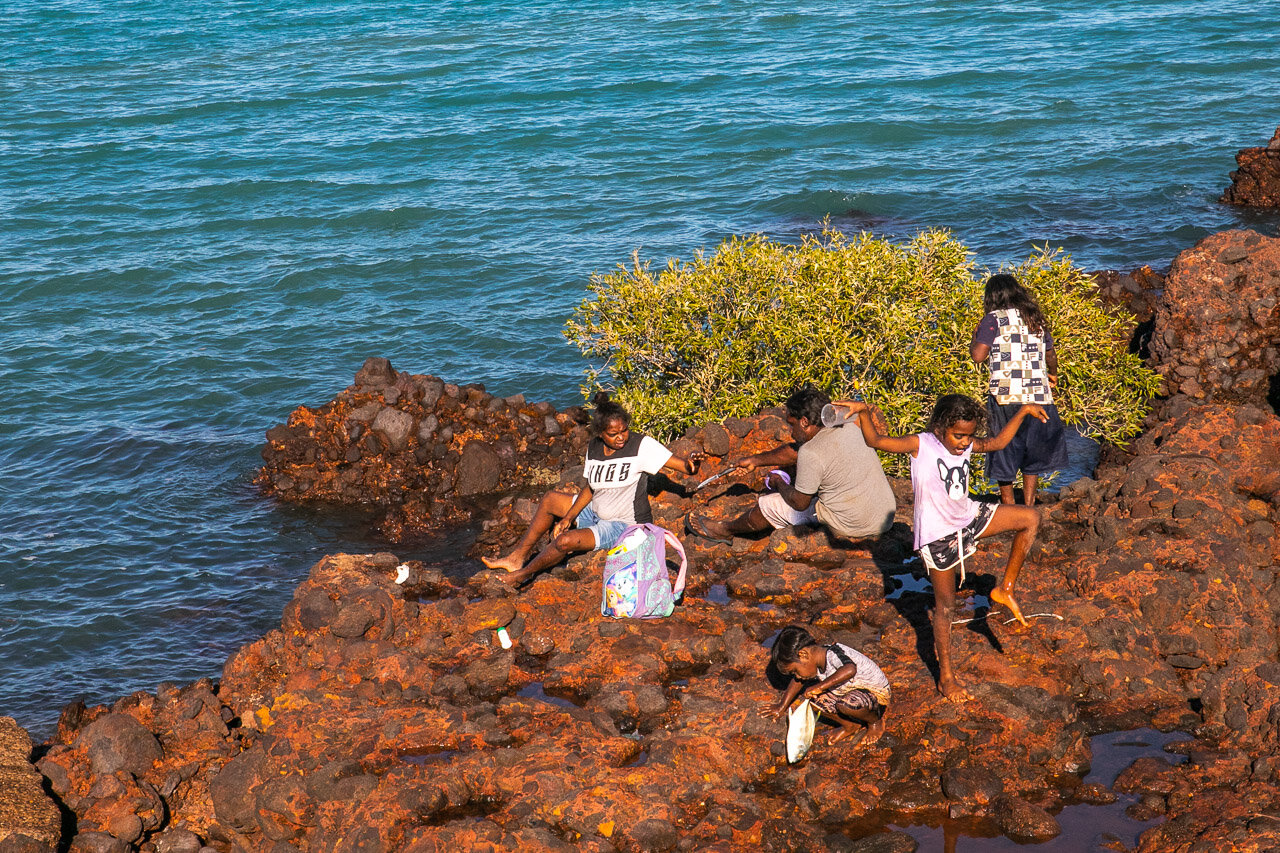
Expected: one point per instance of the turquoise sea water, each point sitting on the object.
(214, 212)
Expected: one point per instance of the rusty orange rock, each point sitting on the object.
(388, 716)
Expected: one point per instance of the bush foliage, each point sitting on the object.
(731, 332)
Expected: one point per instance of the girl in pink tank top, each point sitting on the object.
(948, 523)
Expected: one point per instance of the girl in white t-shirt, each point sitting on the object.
(617, 470)
(948, 522)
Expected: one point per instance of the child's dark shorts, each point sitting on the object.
(944, 554)
(857, 698)
(1037, 448)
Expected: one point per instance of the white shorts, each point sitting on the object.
(779, 513)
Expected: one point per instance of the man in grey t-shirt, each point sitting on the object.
(839, 481)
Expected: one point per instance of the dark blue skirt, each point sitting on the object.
(1038, 448)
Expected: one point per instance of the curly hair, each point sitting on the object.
(953, 408)
(807, 402)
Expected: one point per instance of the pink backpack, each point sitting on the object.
(636, 581)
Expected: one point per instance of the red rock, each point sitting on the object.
(388, 716)
(1024, 821)
(119, 742)
(1256, 183)
(1217, 330)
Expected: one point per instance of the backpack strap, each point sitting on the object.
(663, 537)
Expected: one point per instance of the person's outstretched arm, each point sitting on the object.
(871, 433)
(793, 690)
(688, 465)
(782, 456)
(1002, 439)
(797, 500)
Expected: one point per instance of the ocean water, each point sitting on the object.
(214, 212)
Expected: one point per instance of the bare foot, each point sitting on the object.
(508, 563)
(874, 731)
(953, 691)
(844, 732)
(712, 531)
(717, 528)
(999, 596)
(517, 579)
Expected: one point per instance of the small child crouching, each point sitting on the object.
(841, 682)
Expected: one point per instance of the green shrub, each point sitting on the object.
(731, 332)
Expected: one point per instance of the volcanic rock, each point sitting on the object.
(1024, 821)
(412, 445)
(119, 742)
(1256, 183)
(388, 716)
(479, 470)
(376, 373)
(393, 427)
(1217, 334)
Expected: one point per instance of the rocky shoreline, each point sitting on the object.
(1256, 180)
(385, 716)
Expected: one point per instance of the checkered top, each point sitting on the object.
(1019, 369)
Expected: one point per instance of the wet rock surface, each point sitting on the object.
(388, 716)
(1256, 181)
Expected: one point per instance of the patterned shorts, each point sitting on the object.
(858, 698)
(944, 554)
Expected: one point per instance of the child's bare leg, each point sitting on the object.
(566, 543)
(1025, 521)
(873, 721)
(1006, 494)
(847, 728)
(1029, 482)
(944, 608)
(551, 508)
(875, 728)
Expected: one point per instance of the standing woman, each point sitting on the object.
(616, 496)
(1015, 342)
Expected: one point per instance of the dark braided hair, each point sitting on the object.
(607, 412)
(953, 408)
(1003, 291)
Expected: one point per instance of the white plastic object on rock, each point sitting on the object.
(801, 722)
